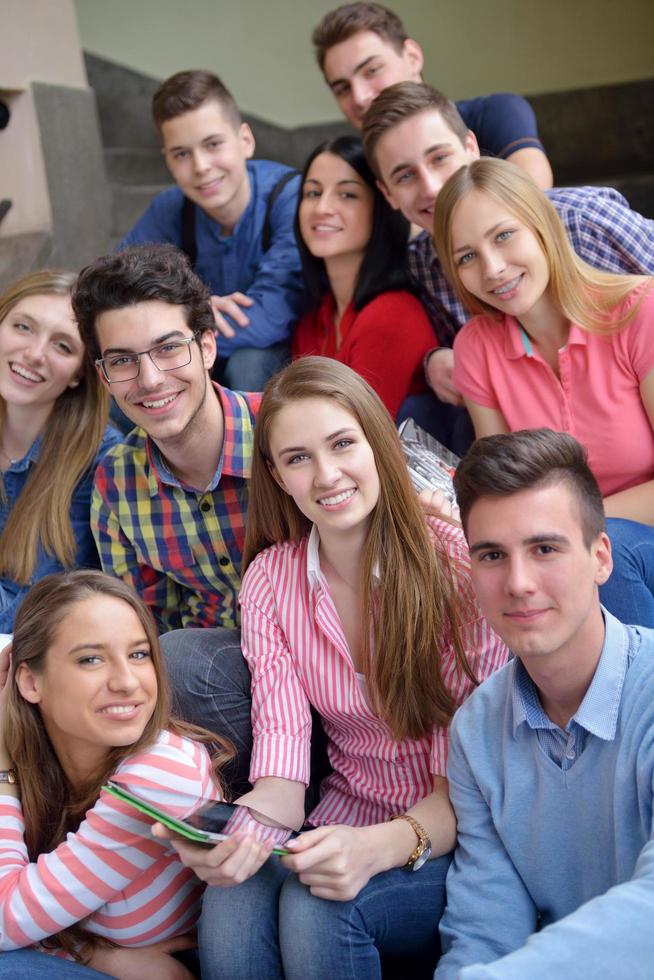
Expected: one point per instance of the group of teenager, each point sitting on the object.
(433, 696)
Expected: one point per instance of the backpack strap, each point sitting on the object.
(189, 244)
(266, 231)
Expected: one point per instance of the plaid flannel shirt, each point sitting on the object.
(602, 228)
(178, 547)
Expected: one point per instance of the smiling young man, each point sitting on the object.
(169, 503)
(554, 868)
(415, 139)
(234, 218)
(362, 48)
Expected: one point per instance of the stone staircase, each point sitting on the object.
(601, 135)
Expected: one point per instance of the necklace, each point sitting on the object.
(12, 462)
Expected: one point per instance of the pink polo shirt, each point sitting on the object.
(298, 655)
(596, 399)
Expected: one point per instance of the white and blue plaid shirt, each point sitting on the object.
(602, 228)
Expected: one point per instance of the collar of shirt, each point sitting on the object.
(598, 712)
(517, 342)
(231, 462)
(314, 573)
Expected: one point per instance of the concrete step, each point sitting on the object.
(129, 203)
(135, 165)
(21, 254)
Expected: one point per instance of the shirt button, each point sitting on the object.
(570, 754)
(205, 505)
(224, 560)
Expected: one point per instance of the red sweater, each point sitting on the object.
(384, 342)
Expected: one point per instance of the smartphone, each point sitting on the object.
(213, 821)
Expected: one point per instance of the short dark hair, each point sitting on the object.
(403, 101)
(384, 266)
(136, 275)
(340, 24)
(188, 90)
(497, 466)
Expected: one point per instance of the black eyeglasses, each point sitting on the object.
(165, 357)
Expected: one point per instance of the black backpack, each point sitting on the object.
(189, 244)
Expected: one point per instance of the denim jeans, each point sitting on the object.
(629, 592)
(31, 964)
(210, 684)
(249, 368)
(450, 425)
(272, 926)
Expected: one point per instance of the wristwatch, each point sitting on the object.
(422, 852)
(8, 776)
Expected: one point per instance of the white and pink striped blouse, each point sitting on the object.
(125, 884)
(298, 656)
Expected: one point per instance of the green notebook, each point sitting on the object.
(207, 824)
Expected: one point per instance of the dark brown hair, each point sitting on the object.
(135, 275)
(188, 90)
(415, 608)
(403, 101)
(51, 806)
(340, 24)
(497, 466)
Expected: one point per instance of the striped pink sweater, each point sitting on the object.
(126, 885)
(298, 655)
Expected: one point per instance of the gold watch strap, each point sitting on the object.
(420, 833)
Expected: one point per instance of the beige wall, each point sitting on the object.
(39, 42)
(472, 47)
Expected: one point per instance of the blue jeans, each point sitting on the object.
(249, 368)
(30, 964)
(210, 684)
(272, 926)
(629, 592)
(450, 425)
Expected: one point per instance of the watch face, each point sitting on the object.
(422, 858)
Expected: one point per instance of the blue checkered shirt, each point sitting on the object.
(602, 228)
(596, 715)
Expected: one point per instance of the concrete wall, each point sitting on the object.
(51, 164)
(472, 46)
(38, 42)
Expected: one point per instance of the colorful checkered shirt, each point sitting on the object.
(180, 548)
(602, 228)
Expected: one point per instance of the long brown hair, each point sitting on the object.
(72, 437)
(585, 295)
(414, 610)
(51, 805)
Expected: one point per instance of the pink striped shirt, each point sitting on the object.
(298, 655)
(127, 885)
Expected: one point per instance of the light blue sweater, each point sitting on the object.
(568, 853)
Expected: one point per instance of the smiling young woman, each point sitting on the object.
(556, 343)
(353, 243)
(85, 699)
(53, 431)
(355, 605)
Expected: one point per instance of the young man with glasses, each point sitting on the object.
(169, 503)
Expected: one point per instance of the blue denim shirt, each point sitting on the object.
(11, 593)
(237, 262)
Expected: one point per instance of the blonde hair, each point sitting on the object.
(414, 609)
(585, 295)
(72, 437)
(51, 806)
